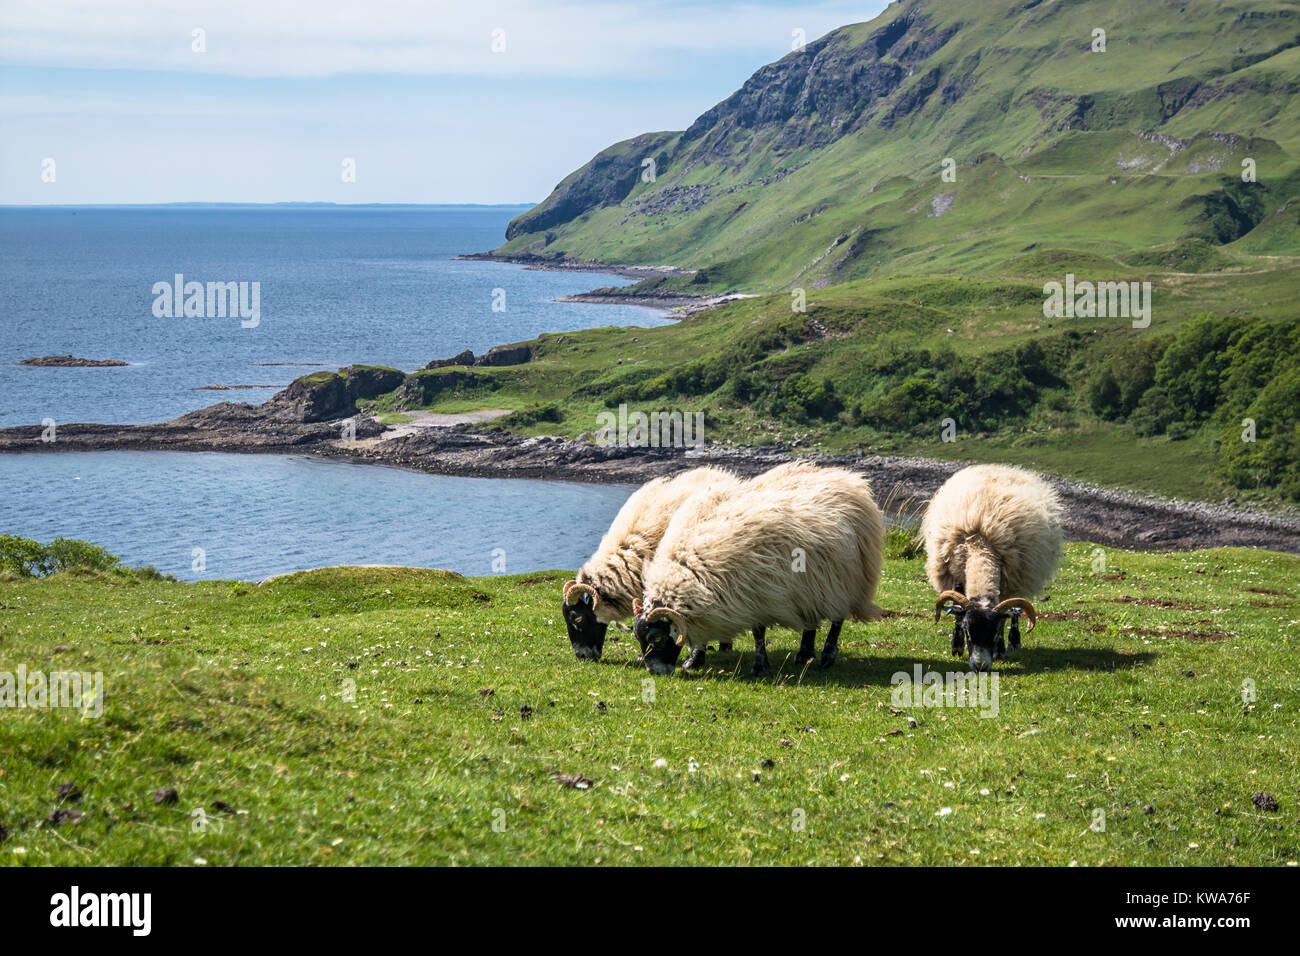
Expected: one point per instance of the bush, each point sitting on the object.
(803, 398)
(1273, 458)
(532, 415)
(26, 558)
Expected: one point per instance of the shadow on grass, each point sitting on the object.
(879, 671)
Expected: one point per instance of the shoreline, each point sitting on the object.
(1104, 516)
(683, 304)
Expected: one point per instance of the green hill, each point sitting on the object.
(828, 165)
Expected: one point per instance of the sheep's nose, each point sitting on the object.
(980, 661)
(586, 653)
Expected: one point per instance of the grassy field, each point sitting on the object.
(1127, 702)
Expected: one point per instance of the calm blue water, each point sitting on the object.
(255, 515)
(338, 286)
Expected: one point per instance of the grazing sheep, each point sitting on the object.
(796, 545)
(609, 583)
(990, 530)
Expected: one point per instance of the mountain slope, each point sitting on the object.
(826, 165)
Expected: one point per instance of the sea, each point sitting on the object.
(335, 286)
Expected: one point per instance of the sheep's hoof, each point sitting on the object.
(695, 661)
(724, 647)
(760, 669)
(829, 659)
(803, 658)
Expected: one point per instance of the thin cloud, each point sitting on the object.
(298, 38)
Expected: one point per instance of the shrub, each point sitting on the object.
(26, 558)
(1273, 458)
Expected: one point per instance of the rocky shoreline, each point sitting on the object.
(681, 303)
(1104, 516)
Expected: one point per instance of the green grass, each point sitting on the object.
(468, 702)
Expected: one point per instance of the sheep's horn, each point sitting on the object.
(574, 592)
(955, 596)
(1021, 603)
(663, 613)
(568, 584)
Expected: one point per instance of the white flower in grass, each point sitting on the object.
(944, 811)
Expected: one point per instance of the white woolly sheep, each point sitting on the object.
(609, 584)
(990, 530)
(792, 547)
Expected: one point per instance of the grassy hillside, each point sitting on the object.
(878, 365)
(467, 703)
(826, 166)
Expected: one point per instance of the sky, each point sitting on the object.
(150, 101)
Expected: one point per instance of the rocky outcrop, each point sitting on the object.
(322, 396)
(369, 381)
(70, 361)
(464, 358)
(506, 355)
(312, 398)
(604, 181)
(497, 355)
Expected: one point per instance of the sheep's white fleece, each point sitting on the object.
(729, 559)
(615, 569)
(992, 530)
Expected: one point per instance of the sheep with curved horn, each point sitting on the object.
(609, 584)
(989, 530)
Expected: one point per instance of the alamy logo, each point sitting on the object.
(1100, 300)
(134, 910)
(215, 300)
(73, 690)
(656, 430)
(950, 689)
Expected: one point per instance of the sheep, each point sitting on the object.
(609, 583)
(990, 530)
(791, 547)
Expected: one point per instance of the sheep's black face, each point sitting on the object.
(586, 634)
(982, 630)
(659, 647)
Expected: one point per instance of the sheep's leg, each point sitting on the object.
(807, 650)
(1013, 639)
(958, 641)
(695, 661)
(724, 646)
(760, 668)
(831, 649)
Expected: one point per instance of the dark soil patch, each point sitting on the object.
(1157, 602)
